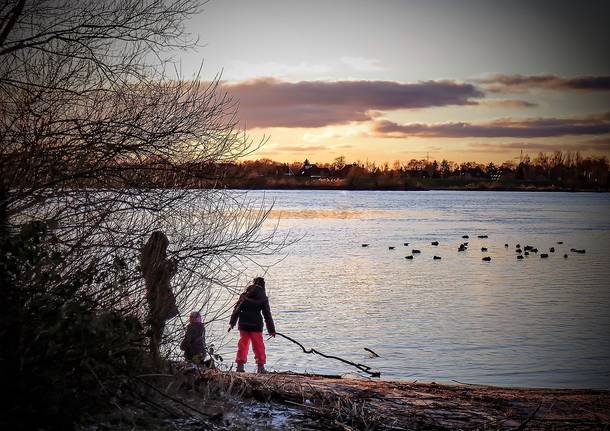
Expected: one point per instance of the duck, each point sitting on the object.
(483, 236)
(434, 243)
(559, 242)
(409, 257)
(552, 249)
(527, 253)
(506, 245)
(544, 255)
(518, 251)
(483, 249)
(406, 244)
(365, 245)
(436, 258)
(534, 250)
(465, 236)
(581, 251)
(391, 247)
(415, 251)
(565, 256)
(518, 246)
(519, 256)
(486, 258)
(462, 248)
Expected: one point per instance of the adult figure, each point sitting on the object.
(158, 271)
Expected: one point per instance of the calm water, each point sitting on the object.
(534, 322)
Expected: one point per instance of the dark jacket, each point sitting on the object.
(194, 341)
(248, 310)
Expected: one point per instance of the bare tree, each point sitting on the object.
(98, 139)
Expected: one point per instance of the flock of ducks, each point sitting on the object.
(521, 252)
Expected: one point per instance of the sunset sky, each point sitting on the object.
(396, 80)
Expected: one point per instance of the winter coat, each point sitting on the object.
(194, 341)
(161, 299)
(248, 311)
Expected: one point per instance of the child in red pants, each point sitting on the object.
(248, 311)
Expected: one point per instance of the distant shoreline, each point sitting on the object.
(410, 184)
(424, 189)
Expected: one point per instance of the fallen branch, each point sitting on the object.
(361, 367)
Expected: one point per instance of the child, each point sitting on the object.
(194, 339)
(248, 310)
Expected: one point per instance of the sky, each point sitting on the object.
(396, 80)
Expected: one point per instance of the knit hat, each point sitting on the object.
(195, 317)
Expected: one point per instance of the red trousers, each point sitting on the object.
(258, 347)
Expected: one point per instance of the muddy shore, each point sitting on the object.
(217, 400)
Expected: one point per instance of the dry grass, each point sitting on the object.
(365, 404)
(330, 402)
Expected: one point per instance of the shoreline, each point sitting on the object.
(217, 400)
(423, 189)
(389, 404)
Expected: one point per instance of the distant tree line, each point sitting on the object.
(559, 170)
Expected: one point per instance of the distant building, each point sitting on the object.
(313, 171)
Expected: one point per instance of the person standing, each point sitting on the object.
(251, 304)
(158, 271)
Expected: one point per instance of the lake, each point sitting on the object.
(531, 322)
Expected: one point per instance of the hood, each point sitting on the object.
(254, 294)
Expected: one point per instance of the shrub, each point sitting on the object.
(62, 353)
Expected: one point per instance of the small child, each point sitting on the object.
(194, 340)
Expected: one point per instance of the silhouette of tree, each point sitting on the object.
(445, 168)
(95, 137)
(338, 163)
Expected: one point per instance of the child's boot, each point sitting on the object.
(261, 369)
(240, 368)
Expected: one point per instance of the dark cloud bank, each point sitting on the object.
(506, 83)
(268, 102)
(529, 128)
(273, 103)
